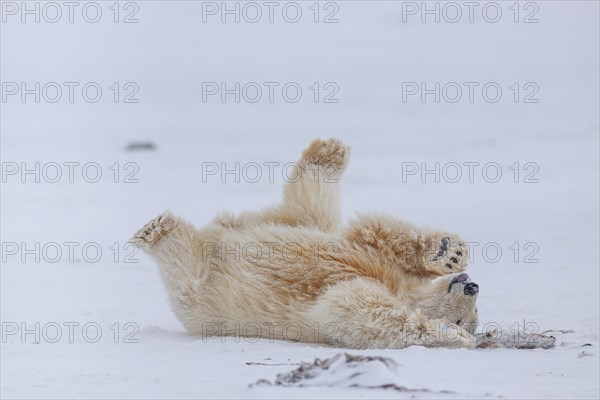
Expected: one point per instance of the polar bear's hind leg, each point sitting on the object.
(311, 195)
(177, 247)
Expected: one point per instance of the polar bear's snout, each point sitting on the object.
(469, 289)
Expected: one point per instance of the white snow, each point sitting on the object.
(343, 370)
(368, 54)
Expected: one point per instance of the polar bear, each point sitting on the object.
(295, 272)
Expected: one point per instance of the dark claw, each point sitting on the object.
(445, 243)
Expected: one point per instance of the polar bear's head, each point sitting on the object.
(453, 299)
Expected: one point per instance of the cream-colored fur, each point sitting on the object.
(295, 272)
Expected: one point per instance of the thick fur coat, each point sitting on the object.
(295, 272)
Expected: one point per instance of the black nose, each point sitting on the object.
(471, 289)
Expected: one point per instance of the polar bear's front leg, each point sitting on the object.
(362, 313)
(403, 245)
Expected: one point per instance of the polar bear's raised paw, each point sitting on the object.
(330, 154)
(154, 230)
(445, 254)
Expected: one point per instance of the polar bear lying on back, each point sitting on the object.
(295, 272)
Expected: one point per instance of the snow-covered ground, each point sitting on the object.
(545, 223)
